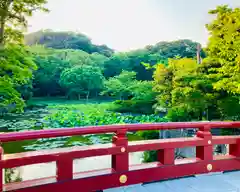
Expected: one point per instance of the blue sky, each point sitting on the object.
(130, 24)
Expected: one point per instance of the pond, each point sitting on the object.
(51, 117)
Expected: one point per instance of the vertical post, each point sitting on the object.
(64, 168)
(1, 170)
(120, 162)
(166, 156)
(198, 53)
(234, 149)
(205, 152)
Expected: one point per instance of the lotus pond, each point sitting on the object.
(57, 115)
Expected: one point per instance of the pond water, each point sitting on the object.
(32, 120)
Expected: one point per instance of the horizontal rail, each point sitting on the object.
(50, 155)
(46, 156)
(147, 145)
(48, 133)
(137, 174)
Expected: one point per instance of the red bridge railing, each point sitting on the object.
(121, 173)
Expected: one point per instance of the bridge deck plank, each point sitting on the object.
(222, 182)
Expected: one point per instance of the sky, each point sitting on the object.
(130, 24)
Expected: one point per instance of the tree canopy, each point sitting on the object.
(66, 40)
(16, 66)
(13, 15)
(224, 48)
(82, 80)
(16, 63)
(207, 91)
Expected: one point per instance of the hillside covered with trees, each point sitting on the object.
(160, 78)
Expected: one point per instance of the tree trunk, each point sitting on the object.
(79, 96)
(87, 96)
(2, 23)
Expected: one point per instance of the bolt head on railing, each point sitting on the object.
(209, 142)
(123, 179)
(209, 167)
(123, 149)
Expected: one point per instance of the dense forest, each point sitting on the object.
(157, 83)
(160, 78)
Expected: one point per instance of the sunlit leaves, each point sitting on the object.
(13, 17)
(16, 67)
(224, 47)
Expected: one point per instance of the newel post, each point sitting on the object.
(205, 152)
(120, 162)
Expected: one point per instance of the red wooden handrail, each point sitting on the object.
(121, 173)
(61, 132)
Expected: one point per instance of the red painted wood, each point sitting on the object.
(64, 168)
(166, 156)
(45, 156)
(102, 179)
(120, 162)
(205, 152)
(29, 135)
(147, 145)
(218, 140)
(234, 149)
(134, 177)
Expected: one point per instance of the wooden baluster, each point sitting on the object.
(234, 149)
(1, 170)
(166, 156)
(64, 168)
(205, 152)
(120, 162)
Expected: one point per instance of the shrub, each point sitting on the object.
(134, 106)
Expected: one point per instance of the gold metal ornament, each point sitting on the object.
(209, 167)
(123, 179)
(123, 149)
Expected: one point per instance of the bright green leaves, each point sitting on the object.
(82, 80)
(13, 18)
(16, 67)
(121, 85)
(16, 63)
(224, 47)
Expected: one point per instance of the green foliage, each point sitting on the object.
(142, 101)
(189, 91)
(152, 54)
(13, 16)
(143, 91)
(16, 67)
(134, 106)
(176, 85)
(149, 156)
(121, 85)
(72, 118)
(66, 40)
(139, 94)
(16, 64)
(80, 80)
(224, 48)
(52, 62)
(46, 78)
